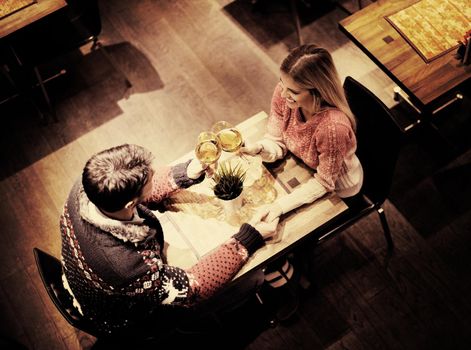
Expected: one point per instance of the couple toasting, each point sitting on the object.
(112, 244)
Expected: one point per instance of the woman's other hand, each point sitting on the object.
(270, 212)
(251, 149)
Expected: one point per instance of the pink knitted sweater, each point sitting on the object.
(326, 143)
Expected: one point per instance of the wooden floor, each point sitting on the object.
(192, 62)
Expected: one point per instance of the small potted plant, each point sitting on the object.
(228, 185)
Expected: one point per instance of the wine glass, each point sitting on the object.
(228, 136)
(208, 149)
(231, 140)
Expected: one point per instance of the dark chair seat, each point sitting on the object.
(204, 320)
(50, 270)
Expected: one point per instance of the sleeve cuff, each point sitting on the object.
(306, 193)
(250, 238)
(181, 178)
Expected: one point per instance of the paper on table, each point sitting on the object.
(171, 234)
(191, 231)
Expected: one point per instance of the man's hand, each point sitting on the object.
(270, 212)
(266, 228)
(195, 169)
(251, 149)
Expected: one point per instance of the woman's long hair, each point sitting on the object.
(312, 68)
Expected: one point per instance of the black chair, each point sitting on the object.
(379, 140)
(70, 28)
(211, 318)
(50, 270)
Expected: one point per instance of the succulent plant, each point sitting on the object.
(228, 181)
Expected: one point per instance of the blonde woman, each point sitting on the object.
(310, 118)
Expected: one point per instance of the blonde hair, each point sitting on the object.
(312, 68)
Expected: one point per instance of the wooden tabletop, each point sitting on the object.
(425, 83)
(194, 221)
(28, 15)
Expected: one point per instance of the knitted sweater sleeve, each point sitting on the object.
(168, 179)
(306, 193)
(332, 142)
(219, 267)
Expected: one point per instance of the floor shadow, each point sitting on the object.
(431, 183)
(234, 329)
(85, 97)
(453, 184)
(272, 21)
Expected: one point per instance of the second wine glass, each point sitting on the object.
(228, 136)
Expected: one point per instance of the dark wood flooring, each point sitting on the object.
(192, 63)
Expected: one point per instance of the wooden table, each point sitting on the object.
(428, 85)
(28, 15)
(195, 223)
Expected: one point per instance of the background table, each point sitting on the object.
(28, 15)
(428, 85)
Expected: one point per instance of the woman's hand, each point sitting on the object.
(251, 149)
(266, 220)
(270, 212)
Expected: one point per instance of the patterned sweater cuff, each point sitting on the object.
(181, 178)
(250, 238)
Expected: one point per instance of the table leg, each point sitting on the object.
(399, 95)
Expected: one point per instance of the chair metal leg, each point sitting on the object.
(387, 232)
(45, 94)
(273, 321)
(20, 88)
(4, 69)
(297, 23)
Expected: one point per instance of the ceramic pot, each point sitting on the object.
(232, 206)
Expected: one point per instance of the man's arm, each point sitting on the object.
(166, 284)
(169, 179)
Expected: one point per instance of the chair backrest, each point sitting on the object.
(50, 270)
(84, 17)
(379, 139)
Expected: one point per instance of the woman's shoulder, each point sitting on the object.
(334, 121)
(332, 115)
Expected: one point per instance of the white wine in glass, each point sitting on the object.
(228, 136)
(208, 149)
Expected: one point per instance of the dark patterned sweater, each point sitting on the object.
(117, 270)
